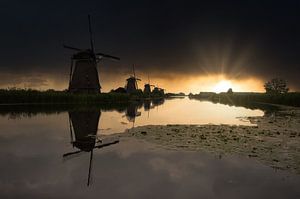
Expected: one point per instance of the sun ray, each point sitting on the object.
(222, 86)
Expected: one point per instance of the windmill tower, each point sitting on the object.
(83, 71)
(147, 87)
(132, 85)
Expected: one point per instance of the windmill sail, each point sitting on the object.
(83, 73)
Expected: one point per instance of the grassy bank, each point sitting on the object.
(21, 96)
(245, 99)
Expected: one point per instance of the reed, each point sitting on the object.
(28, 96)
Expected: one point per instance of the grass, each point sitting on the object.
(28, 96)
(289, 99)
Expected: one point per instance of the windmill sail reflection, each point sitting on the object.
(83, 134)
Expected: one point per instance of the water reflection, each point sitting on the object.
(116, 118)
(83, 134)
(132, 111)
(31, 151)
(159, 101)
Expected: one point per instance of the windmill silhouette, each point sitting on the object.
(83, 71)
(147, 87)
(132, 85)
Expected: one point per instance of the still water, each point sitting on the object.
(65, 153)
(174, 111)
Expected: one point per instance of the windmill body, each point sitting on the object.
(147, 89)
(84, 78)
(131, 85)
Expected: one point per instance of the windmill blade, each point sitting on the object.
(107, 144)
(133, 70)
(70, 157)
(71, 153)
(72, 48)
(91, 34)
(108, 56)
(90, 168)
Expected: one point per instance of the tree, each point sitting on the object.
(276, 86)
(230, 91)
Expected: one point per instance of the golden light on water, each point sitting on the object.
(178, 111)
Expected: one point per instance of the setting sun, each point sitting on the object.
(222, 86)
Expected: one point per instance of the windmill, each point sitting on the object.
(132, 85)
(147, 87)
(158, 92)
(83, 131)
(83, 70)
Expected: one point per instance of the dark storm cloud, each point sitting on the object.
(236, 37)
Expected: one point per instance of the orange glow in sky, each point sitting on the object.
(209, 83)
(172, 82)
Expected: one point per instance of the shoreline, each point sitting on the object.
(274, 141)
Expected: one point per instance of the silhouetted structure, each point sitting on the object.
(230, 91)
(131, 85)
(147, 87)
(83, 70)
(158, 92)
(83, 132)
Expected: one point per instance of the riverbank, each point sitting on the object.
(275, 141)
(22, 96)
(247, 99)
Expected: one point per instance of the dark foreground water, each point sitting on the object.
(65, 155)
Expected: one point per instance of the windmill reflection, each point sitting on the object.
(147, 105)
(158, 101)
(132, 112)
(83, 133)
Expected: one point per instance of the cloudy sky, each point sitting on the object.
(182, 45)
